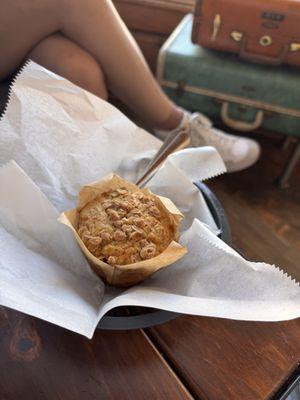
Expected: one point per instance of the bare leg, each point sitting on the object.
(94, 29)
(94, 26)
(108, 39)
(76, 64)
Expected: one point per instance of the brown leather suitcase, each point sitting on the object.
(264, 31)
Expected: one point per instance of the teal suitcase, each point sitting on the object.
(245, 96)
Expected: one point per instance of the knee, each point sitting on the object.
(74, 7)
(65, 58)
(86, 73)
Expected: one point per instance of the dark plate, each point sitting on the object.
(143, 317)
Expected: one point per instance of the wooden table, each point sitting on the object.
(200, 358)
(187, 358)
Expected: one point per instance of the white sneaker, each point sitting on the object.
(238, 153)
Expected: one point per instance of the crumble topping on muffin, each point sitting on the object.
(120, 227)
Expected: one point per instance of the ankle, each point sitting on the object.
(173, 120)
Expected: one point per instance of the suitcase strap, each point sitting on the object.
(241, 125)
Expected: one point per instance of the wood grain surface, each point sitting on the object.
(265, 220)
(39, 361)
(220, 359)
(212, 358)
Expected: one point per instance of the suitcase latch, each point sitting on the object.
(216, 26)
(236, 36)
(295, 47)
(180, 88)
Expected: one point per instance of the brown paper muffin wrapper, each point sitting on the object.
(129, 274)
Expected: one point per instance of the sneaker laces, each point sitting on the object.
(210, 135)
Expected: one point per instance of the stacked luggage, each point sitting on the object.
(240, 62)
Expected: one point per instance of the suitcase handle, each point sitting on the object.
(241, 125)
(245, 55)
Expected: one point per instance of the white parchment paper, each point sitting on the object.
(61, 137)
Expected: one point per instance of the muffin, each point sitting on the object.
(126, 233)
(121, 227)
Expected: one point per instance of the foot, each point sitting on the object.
(238, 153)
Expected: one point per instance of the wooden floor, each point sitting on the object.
(264, 219)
